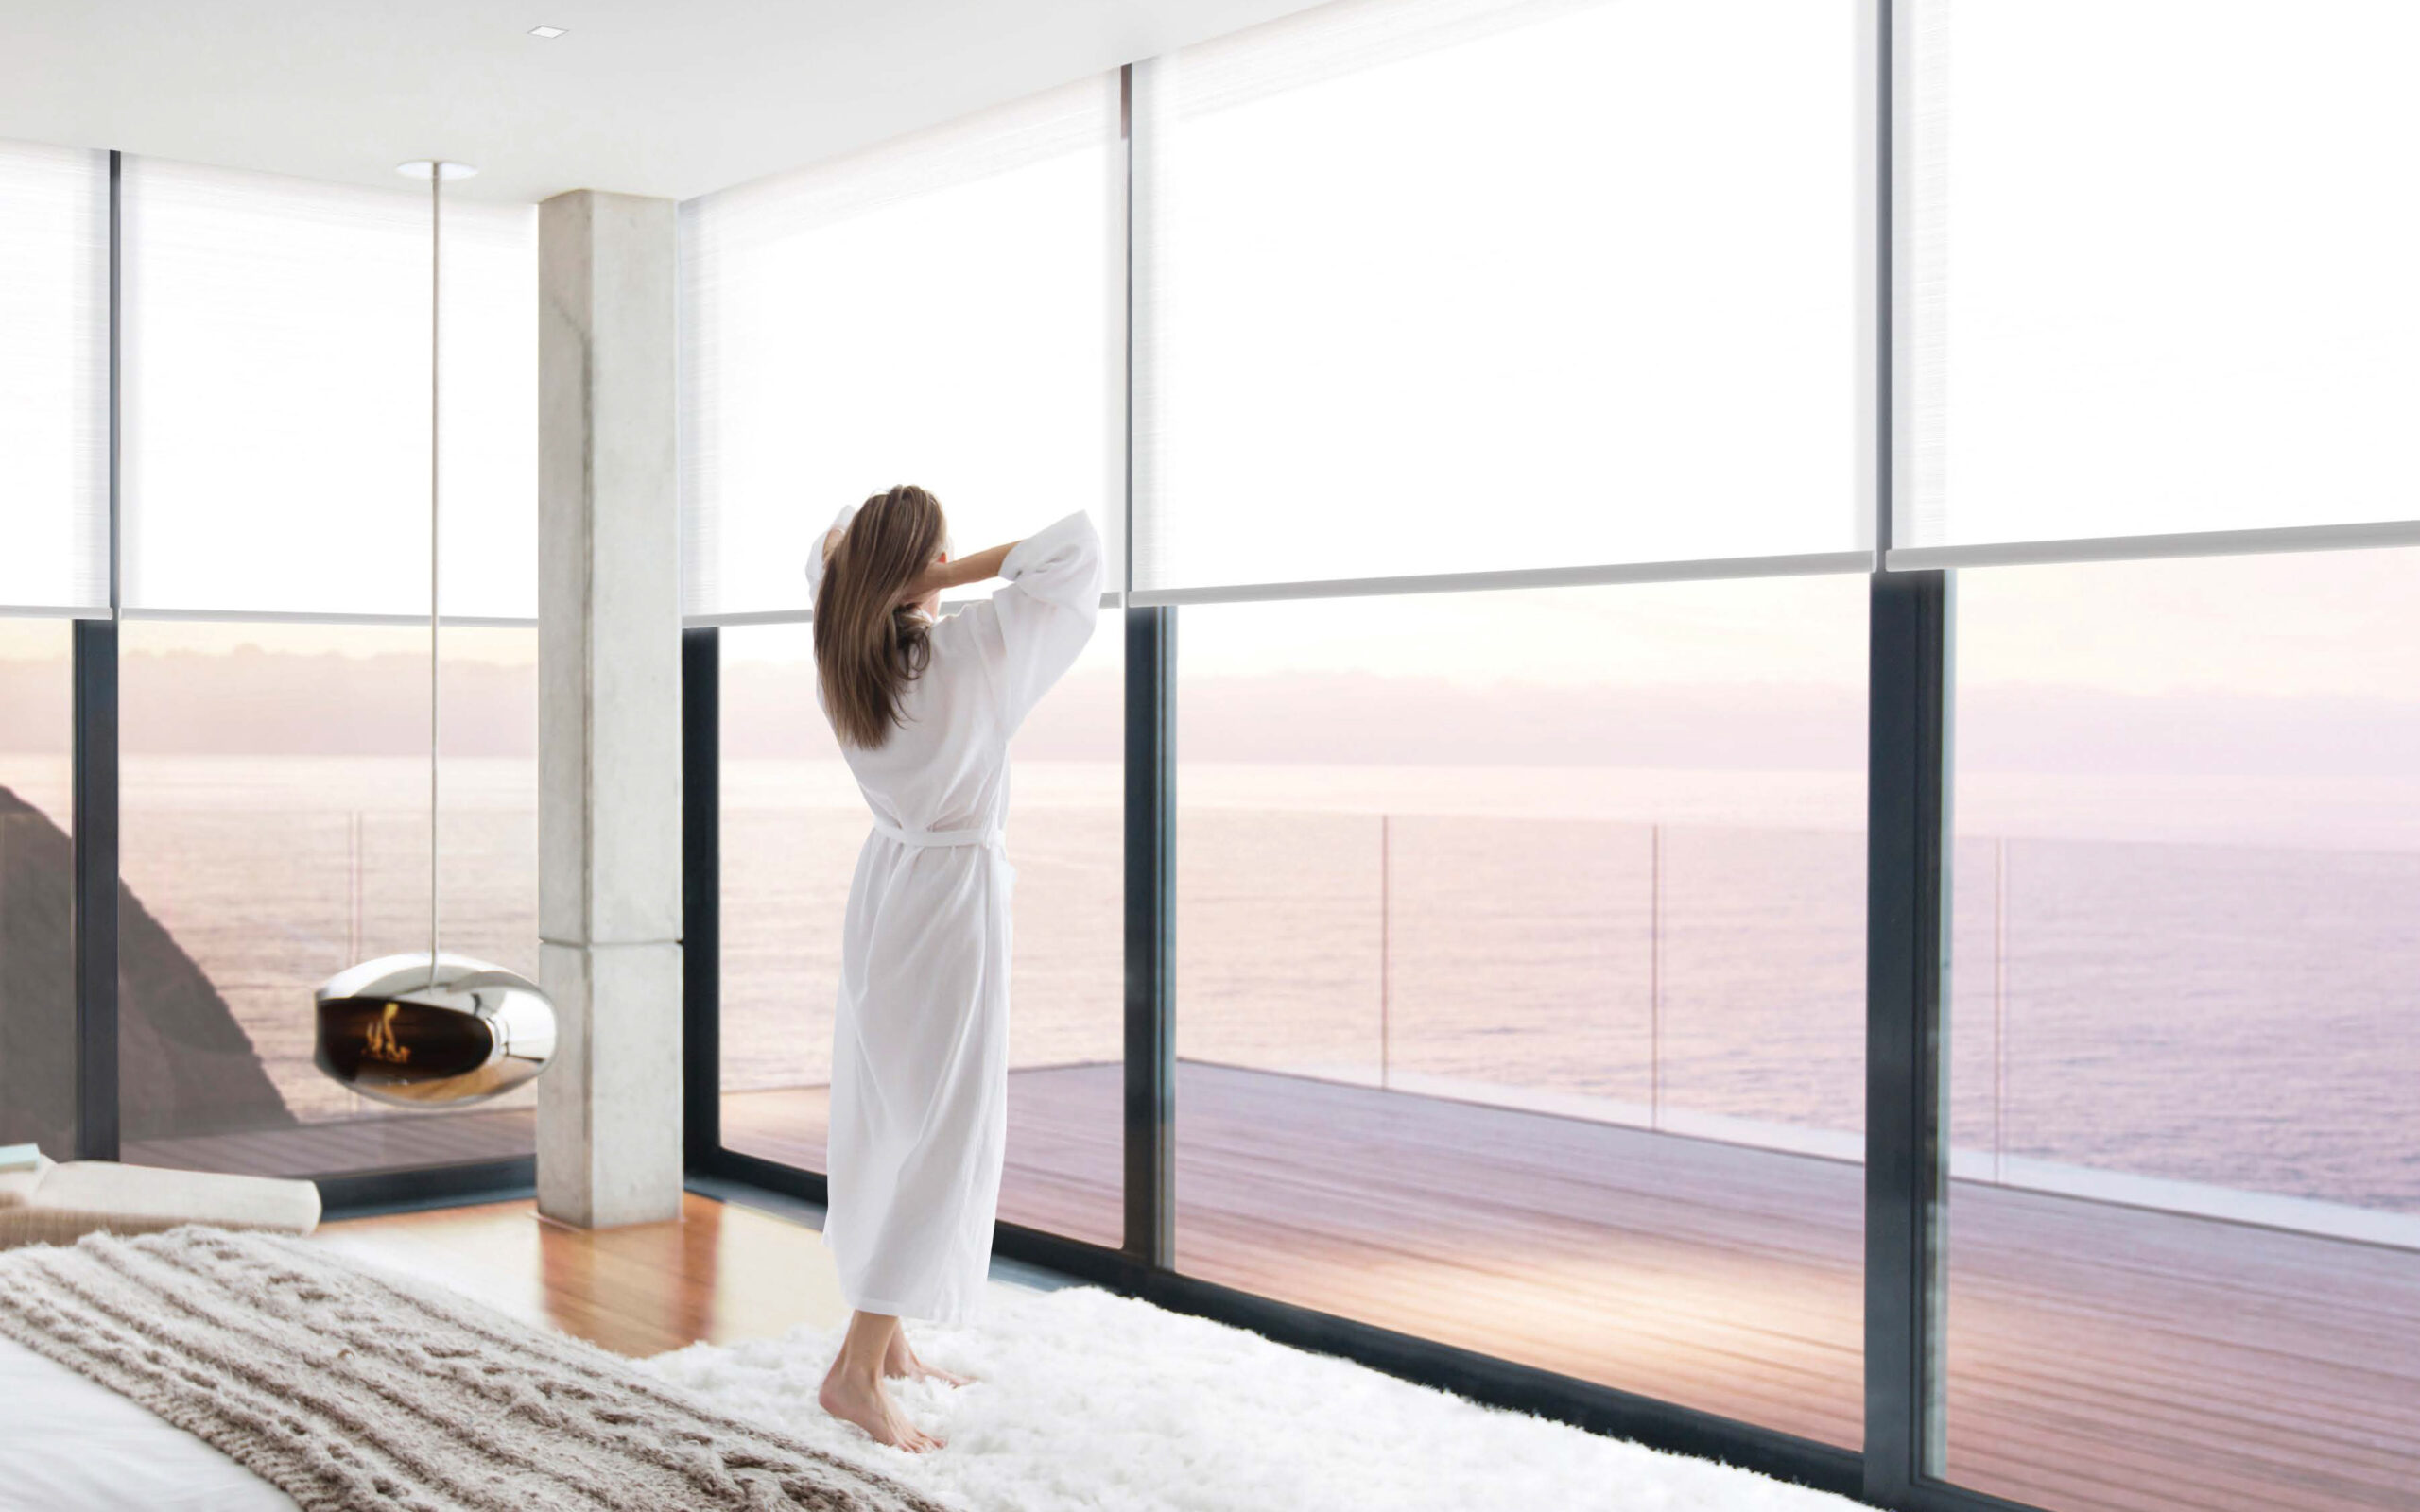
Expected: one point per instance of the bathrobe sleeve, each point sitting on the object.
(1047, 609)
(815, 554)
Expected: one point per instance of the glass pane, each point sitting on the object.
(936, 310)
(54, 377)
(274, 831)
(1520, 958)
(2106, 337)
(276, 395)
(37, 889)
(1470, 285)
(2183, 1245)
(792, 824)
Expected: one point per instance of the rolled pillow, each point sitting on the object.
(17, 1187)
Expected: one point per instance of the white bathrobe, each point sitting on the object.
(919, 1045)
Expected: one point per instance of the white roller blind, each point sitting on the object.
(2159, 269)
(275, 396)
(941, 310)
(1443, 287)
(490, 419)
(54, 378)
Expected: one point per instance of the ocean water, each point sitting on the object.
(2215, 980)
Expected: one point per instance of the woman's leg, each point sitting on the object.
(853, 1390)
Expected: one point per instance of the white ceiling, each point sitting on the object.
(673, 98)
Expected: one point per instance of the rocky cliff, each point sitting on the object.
(185, 1066)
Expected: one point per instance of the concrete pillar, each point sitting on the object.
(608, 718)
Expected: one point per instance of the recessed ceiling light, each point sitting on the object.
(547, 31)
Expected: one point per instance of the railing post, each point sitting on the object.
(1655, 976)
(352, 886)
(2000, 1005)
(1386, 951)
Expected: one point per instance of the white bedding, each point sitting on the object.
(68, 1442)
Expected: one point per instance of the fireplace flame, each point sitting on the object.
(380, 1044)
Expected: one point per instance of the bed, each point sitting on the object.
(70, 1442)
(256, 1372)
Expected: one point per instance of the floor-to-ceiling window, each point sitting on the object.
(53, 563)
(943, 310)
(274, 692)
(1519, 978)
(2181, 1256)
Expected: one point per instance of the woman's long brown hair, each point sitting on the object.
(869, 644)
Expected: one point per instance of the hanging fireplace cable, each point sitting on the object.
(436, 416)
(402, 1029)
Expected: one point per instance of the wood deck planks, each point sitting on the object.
(377, 1143)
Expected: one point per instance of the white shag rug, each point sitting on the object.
(1088, 1400)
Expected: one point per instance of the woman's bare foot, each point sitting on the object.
(853, 1390)
(900, 1361)
(853, 1397)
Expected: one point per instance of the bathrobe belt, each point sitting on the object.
(937, 838)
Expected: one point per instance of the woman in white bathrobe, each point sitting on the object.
(924, 705)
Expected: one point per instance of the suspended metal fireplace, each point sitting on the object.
(388, 1031)
(429, 1028)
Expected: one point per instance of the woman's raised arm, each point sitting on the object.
(943, 576)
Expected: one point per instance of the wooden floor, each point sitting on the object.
(720, 1274)
(2101, 1359)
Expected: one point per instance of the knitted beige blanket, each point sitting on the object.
(348, 1387)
